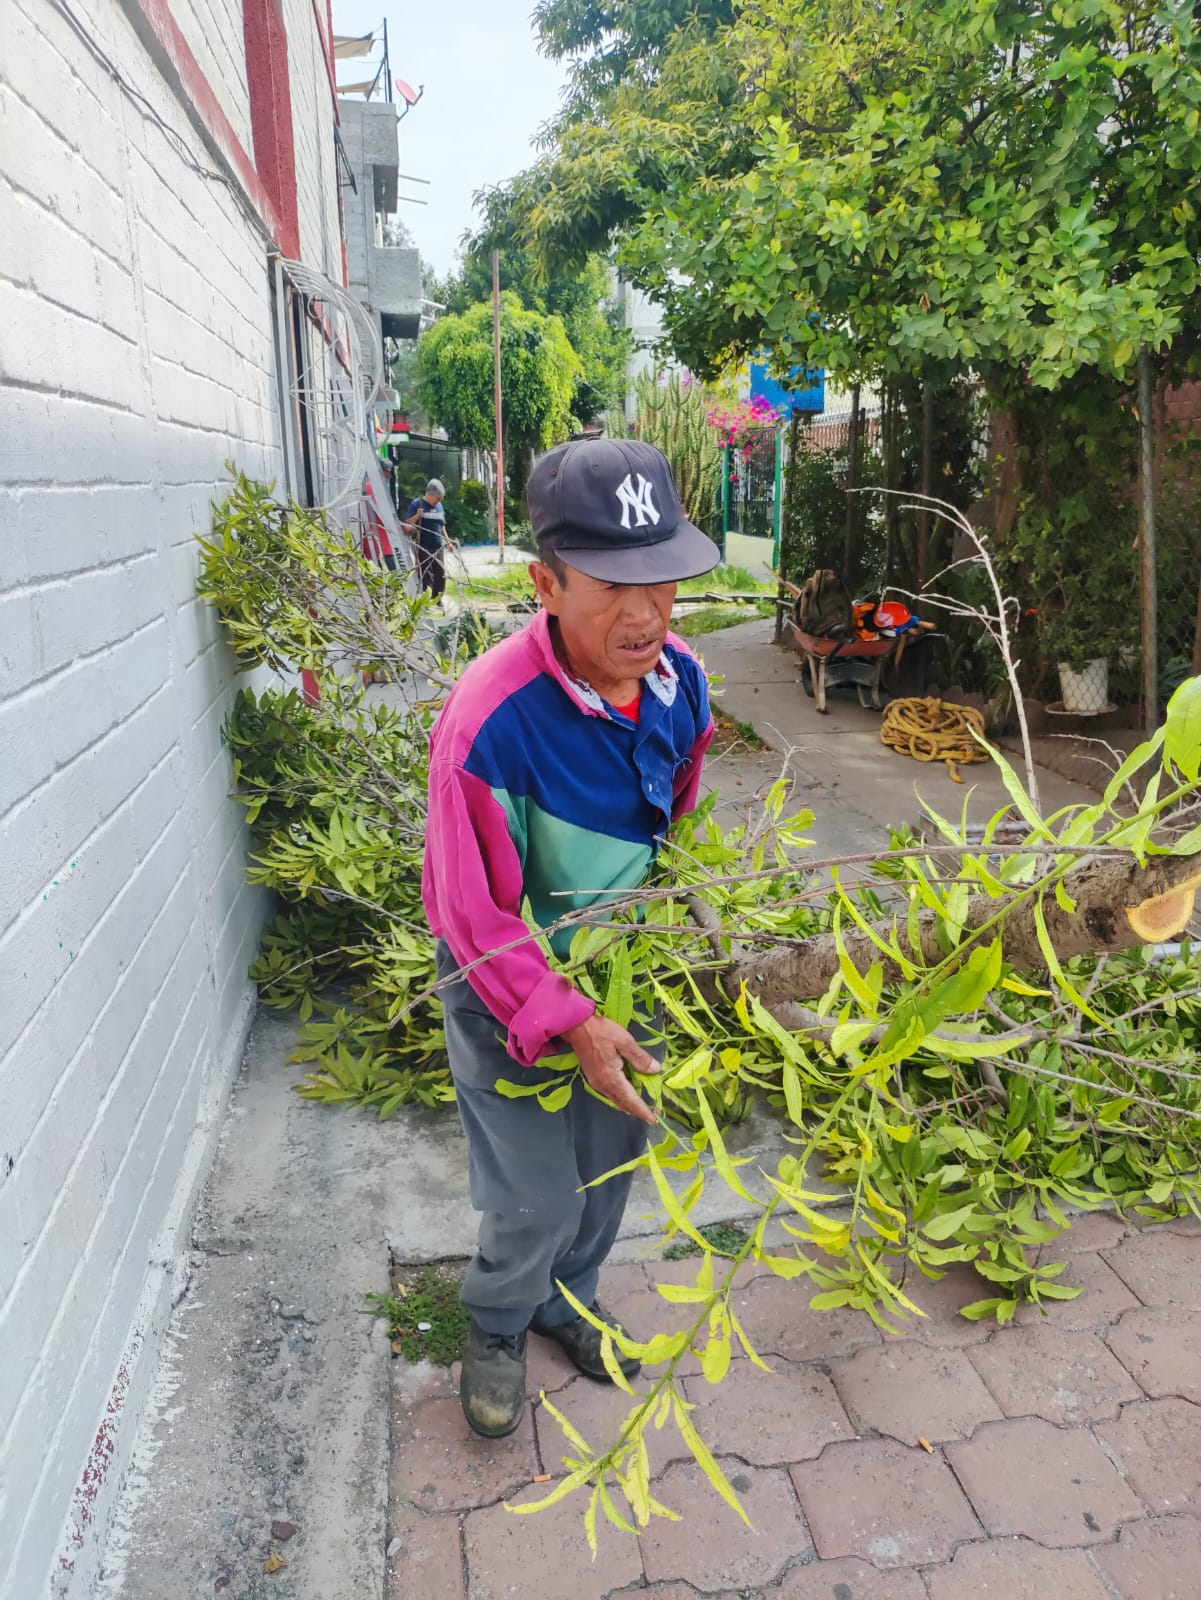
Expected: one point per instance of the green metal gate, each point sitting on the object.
(752, 476)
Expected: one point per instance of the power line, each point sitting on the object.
(146, 110)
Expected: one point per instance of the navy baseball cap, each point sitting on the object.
(610, 509)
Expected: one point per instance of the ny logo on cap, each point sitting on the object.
(640, 501)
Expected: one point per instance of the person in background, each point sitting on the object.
(425, 523)
(560, 760)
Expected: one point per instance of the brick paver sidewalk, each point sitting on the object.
(1065, 1453)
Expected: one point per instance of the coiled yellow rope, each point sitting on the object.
(932, 730)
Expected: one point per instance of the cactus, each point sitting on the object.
(673, 414)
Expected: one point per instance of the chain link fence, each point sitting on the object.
(1178, 553)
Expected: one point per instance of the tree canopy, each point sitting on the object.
(580, 295)
(883, 189)
(539, 370)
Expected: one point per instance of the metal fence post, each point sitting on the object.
(725, 497)
(778, 497)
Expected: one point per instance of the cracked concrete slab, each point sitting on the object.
(271, 1437)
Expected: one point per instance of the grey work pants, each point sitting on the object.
(526, 1169)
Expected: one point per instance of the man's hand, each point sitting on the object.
(601, 1047)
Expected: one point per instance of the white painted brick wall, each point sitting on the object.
(213, 29)
(135, 358)
(312, 126)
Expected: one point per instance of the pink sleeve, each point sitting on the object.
(472, 892)
(688, 780)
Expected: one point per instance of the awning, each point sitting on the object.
(358, 88)
(347, 46)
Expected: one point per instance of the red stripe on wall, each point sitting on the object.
(270, 85)
(209, 109)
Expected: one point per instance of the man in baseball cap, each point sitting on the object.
(610, 509)
(558, 763)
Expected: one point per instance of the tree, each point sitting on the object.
(582, 296)
(887, 188)
(913, 194)
(539, 373)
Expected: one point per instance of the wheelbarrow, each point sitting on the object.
(831, 663)
(863, 657)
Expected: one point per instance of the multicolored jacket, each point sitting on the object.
(541, 790)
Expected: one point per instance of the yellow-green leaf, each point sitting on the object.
(721, 1159)
(670, 1204)
(612, 1366)
(715, 1362)
(706, 1461)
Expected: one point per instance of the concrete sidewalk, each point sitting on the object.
(838, 758)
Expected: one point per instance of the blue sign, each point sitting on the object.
(807, 391)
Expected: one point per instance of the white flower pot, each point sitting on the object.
(1085, 691)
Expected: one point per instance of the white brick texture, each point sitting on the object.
(135, 360)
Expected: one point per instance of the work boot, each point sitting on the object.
(582, 1343)
(492, 1386)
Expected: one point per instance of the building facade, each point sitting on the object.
(159, 161)
(385, 278)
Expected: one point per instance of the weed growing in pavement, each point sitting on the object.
(426, 1319)
(712, 619)
(731, 732)
(724, 1238)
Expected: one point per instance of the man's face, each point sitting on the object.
(433, 497)
(612, 633)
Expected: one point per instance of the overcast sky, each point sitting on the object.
(487, 91)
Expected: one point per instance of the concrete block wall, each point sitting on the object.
(358, 203)
(213, 29)
(313, 127)
(135, 359)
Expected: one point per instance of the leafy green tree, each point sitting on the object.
(609, 44)
(581, 295)
(881, 189)
(539, 371)
(912, 194)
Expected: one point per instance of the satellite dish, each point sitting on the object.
(408, 94)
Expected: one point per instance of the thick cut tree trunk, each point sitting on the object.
(1103, 890)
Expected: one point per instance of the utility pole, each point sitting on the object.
(500, 454)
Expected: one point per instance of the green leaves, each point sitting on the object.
(1182, 731)
(539, 371)
(893, 188)
(550, 1096)
(705, 1459)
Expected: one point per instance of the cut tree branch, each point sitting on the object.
(1102, 890)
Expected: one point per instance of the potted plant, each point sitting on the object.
(1088, 614)
(1079, 574)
